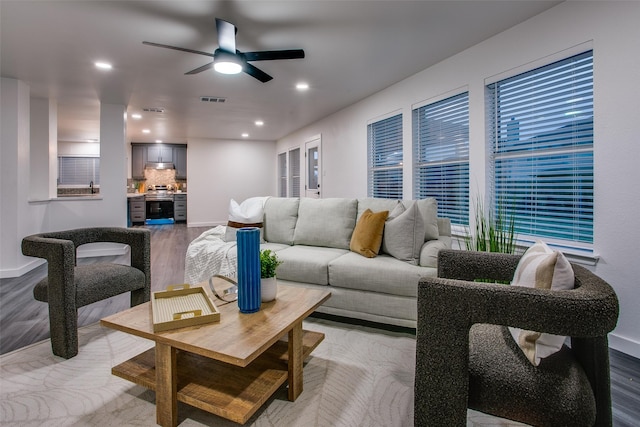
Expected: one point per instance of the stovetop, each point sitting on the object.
(159, 192)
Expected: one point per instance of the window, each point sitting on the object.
(541, 134)
(282, 175)
(294, 172)
(289, 173)
(441, 156)
(78, 170)
(384, 147)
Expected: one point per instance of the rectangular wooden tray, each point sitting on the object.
(180, 306)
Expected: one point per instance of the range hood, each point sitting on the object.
(159, 166)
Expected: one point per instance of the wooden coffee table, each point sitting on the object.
(228, 368)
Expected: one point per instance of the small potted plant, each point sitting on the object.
(268, 285)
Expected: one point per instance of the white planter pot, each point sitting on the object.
(268, 289)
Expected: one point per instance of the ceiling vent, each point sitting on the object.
(153, 110)
(217, 99)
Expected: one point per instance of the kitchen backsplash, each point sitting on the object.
(157, 177)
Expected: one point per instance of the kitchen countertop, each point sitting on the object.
(131, 195)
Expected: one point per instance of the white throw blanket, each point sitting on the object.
(208, 255)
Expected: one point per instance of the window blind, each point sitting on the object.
(282, 174)
(294, 172)
(78, 170)
(541, 133)
(441, 156)
(384, 153)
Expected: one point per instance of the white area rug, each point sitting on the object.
(357, 377)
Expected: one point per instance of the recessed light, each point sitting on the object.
(302, 86)
(146, 131)
(245, 135)
(103, 65)
(159, 141)
(259, 123)
(136, 116)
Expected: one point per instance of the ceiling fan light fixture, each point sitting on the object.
(226, 63)
(227, 67)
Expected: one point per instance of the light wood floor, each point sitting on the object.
(23, 320)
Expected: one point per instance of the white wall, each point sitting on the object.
(611, 29)
(220, 170)
(21, 214)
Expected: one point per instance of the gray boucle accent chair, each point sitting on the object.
(69, 286)
(464, 358)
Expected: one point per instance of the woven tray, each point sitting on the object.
(180, 306)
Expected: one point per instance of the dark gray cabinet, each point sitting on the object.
(137, 209)
(138, 160)
(159, 153)
(180, 161)
(179, 207)
(143, 153)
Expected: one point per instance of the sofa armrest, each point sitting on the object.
(430, 250)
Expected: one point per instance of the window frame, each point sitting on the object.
(509, 151)
(449, 181)
(384, 140)
(92, 162)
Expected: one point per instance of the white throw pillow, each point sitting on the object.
(247, 214)
(543, 268)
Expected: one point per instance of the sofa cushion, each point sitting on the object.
(542, 268)
(280, 218)
(376, 205)
(404, 233)
(307, 264)
(367, 236)
(325, 222)
(383, 274)
(429, 210)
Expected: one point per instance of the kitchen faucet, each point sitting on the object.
(91, 186)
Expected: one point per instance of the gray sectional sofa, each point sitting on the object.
(312, 238)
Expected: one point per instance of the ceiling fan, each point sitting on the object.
(228, 60)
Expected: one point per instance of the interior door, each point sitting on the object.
(313, 159)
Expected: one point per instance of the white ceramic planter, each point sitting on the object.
(268, 289)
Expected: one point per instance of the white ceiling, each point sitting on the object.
(353, 49)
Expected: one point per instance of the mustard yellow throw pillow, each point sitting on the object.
(367, 236)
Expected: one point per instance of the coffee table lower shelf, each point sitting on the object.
(231, 392)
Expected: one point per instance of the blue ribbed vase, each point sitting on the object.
(248, 239)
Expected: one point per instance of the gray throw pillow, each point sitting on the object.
(404, 233)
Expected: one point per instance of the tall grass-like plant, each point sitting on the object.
(494, 230)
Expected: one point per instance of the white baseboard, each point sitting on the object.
(205, 224)
(17, 272)
(625, 345)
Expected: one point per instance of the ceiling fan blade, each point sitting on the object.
(269, 55)
(201, 69)
(256, 73)
(226, 35)
(182, 49)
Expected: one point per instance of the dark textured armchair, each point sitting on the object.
(465, 358)
(69, 286)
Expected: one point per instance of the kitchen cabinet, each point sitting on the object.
(159, 153)
(137, 210)
(138, 160)
(179, 207)
(180, 161)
